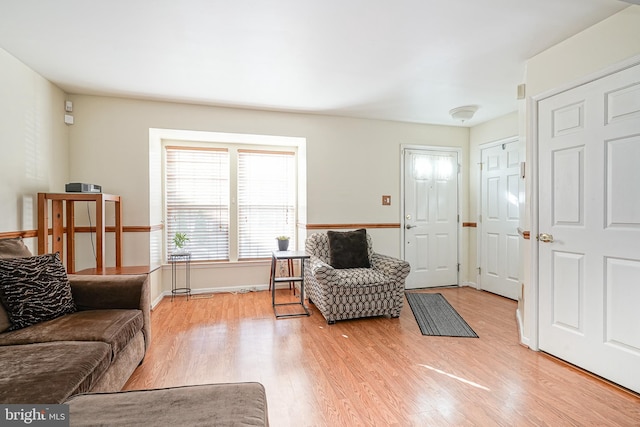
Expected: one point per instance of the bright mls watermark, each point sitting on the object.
(34, 415)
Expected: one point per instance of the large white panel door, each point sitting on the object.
(589, 223)
(430, 225)
(499, 254)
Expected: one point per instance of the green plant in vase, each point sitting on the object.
(179, 240)
(283, 243)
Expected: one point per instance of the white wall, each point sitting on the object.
(573, 61)
(351, 163)
(598, 47)
(34, 155)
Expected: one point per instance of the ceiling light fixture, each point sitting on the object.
(464, 113)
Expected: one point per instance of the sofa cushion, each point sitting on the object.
(50, 372)
(11, 248)
(34, 289)
(230, 404)
(113, 327)
(348, 249)
(360, 277)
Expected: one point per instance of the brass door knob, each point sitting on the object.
(545, 237)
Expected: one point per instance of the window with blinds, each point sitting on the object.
(199, 185)
(266, 200)
(197, 200)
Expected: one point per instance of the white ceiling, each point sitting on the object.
(405, 60)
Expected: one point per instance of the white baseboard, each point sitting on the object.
(470, 284)
(229, 289)
(523, 340)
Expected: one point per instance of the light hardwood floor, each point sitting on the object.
(376, 371)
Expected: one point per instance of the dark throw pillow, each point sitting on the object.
(11, 248)
(348, 249)
(34, 289)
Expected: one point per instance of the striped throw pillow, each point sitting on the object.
(34, 289)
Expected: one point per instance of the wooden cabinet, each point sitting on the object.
(63, 221)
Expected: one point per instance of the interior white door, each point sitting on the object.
(499, 253)
(430, 224)
(589, 223)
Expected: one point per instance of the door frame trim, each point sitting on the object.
(461, 160)
(532, 309)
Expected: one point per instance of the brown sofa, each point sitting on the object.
(94, 349)
(84, 357)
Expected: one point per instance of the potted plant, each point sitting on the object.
(179, 239)
(283, 243)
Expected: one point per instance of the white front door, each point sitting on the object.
(589, 224)
(430, 223)
(499, 246)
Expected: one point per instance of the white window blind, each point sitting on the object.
(197, 200)
(266, 201)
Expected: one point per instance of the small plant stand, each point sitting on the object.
(287, 256)
(175, 259)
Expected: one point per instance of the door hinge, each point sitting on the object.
(480, 166)
(480, 218)
(479, 271)
(458, 218)
(459, 167)
(458, 267)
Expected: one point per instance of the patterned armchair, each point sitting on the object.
(352, 293)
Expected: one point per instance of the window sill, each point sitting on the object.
(225, 264)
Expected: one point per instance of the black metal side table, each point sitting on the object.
(288, 256)
(175, 259)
